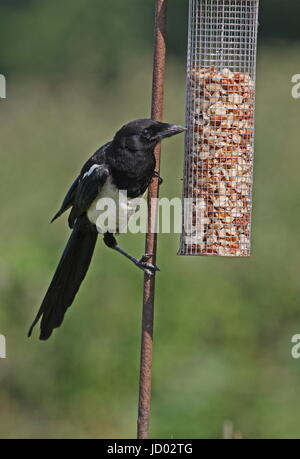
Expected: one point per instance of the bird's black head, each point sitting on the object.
(144, 134)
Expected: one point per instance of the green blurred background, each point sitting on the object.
(77, 70)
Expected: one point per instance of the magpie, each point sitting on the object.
(126, 163)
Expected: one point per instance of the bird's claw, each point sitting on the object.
(148, 268)
(146, 257)
(156, 175)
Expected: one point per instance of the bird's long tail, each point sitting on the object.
(68, 276)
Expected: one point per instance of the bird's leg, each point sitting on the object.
(141, 263)
(156, 174)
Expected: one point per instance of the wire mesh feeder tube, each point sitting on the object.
(220, 120)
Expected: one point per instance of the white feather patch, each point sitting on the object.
(90, 171)
(123, 210)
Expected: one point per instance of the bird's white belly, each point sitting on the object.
(112, 210)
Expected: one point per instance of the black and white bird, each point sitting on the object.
(126, 163)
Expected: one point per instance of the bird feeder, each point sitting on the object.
(219, 146)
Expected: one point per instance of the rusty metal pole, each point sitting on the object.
(151, 237)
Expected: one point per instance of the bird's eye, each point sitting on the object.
(146, 134)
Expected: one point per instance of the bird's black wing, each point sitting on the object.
(68, 201)
(97, 158)
(87, 190)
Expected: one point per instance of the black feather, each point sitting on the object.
(68, 201)
(67, 279)
(87, 191)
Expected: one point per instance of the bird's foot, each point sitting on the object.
(148, 268)
(156, 174)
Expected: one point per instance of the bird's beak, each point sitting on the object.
(168, 130)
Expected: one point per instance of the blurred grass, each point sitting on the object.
(222, 327)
